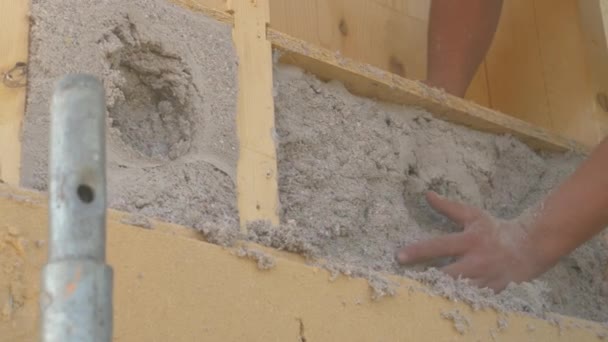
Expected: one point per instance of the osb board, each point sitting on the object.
(14, 19)
(171, 286)
(536, 69)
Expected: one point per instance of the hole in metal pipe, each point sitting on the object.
(85, 193)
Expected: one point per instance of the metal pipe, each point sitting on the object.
(76, 294)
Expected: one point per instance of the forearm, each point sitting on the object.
(576, 211)
(460, 33)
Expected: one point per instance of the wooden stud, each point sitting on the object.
(258, 197)
(13, 68)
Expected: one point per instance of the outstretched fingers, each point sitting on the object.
(442, 246)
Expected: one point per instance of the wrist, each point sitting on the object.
(544, 246)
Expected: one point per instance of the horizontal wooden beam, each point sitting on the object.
(217, 9)
(201, 291)
(365, 80)
(371, 82)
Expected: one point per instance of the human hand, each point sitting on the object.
(490, 252)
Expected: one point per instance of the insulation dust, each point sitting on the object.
(460, 321)
(528, 297)
(380, 285)
(290, 237)
(502, 322)
(19, 198)
(137, 220)
(223, 234)
(352, 171)
(287, 237)
(263, 260)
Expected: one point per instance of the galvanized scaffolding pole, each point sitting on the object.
(76, 294)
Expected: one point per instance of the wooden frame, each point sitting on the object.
(411, 313)
(367, 80)
(256, 30)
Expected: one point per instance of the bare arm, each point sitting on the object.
(460, 33)
(576, 211)
(493, 253)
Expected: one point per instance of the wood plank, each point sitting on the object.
(202, 292)
(257, 183)
(569, 85)
(14, 40)
(478, 91)
(382, 33)
(593, 16)
(515, 69)
(419, 9)
(217, 9)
